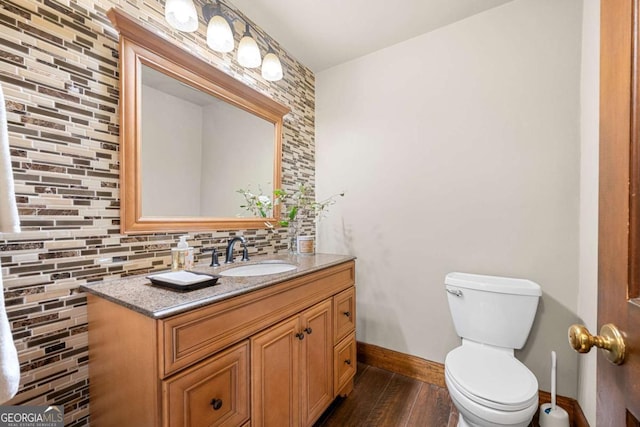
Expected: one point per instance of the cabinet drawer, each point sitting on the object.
(344, 315)
(345, 362)
(212, 393)
(187, 338)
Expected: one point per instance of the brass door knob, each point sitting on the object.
(610, 340)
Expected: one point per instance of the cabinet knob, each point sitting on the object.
(300, 336)
(347, 313)
(348, 361)
(308, 330)
(216, 403)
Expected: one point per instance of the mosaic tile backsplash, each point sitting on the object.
(59, 72)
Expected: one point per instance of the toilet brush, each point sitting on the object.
(550, 414)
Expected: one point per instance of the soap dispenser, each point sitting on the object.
(182, 255)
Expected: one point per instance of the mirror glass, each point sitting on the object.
(199, 149)
(191, 136)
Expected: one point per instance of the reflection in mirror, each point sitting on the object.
(198, 149)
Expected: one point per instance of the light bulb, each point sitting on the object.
(181, 15)
(248, 52)
(219, 35)
(271, 67)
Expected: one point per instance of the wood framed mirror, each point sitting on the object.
(191, 136)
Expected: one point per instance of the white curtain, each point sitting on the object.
(9, 223)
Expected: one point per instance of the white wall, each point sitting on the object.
(588, 290)
(459, 150)
(234, 160)
(172, 185)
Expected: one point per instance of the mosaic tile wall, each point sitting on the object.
(59, 73)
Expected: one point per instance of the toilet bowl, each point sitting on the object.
(489, 387)
(493, 316)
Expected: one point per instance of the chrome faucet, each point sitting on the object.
(229, 254)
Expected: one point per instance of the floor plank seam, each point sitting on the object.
(380, 396)
(413, 404)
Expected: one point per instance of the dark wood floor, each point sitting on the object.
(383, 399)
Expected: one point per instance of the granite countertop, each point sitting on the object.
(137, 292)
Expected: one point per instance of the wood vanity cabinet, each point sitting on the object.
(275, 356)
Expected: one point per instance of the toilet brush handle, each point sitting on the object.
(553, 380)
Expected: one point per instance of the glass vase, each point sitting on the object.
(293, 231)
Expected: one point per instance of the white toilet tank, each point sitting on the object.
(493, 310)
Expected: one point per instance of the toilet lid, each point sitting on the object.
(492, 378)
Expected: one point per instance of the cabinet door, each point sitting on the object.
(212, 393)
(275, 363)
(317, 366)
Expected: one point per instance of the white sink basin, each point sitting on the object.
(260, 269)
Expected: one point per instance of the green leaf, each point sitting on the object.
(293, 212)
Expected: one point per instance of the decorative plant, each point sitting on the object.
(295, 204)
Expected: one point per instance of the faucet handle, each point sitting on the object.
(245, 253)
(214, 256)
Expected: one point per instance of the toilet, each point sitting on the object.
(493, 316)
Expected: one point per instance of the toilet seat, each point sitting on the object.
(478, 415)
(491, 378)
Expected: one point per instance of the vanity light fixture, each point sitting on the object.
(248, 54)
(219, 33)
(271, 66)
(182, 15)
